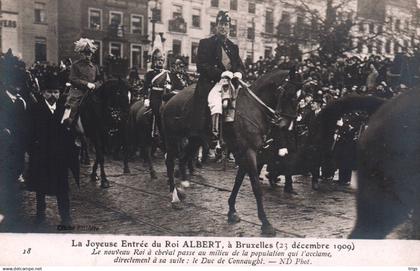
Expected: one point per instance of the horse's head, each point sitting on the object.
(115, 93)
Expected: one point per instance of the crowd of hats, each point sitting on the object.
(324, 80)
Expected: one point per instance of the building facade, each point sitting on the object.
(118, 27)
(29, 28)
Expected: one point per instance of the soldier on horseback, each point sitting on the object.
(159, 84)
(84, 77)
(217, 57)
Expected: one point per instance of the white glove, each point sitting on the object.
(146, 102)
(227, 74)
(91, 85)
(237, 75)
(68, 84)
(299, 118)
(283, 152)
(340, 122)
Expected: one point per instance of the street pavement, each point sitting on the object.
(137, 205)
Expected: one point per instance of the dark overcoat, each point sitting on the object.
(50, 151)
(210, 68)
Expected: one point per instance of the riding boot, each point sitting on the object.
(215, 118)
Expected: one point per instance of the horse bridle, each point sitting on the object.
(275, 116)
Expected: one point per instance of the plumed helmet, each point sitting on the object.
(85, 45)
(223, 17)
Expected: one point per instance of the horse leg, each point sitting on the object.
(148, 151)
(126, 153)
(199, 162)
(288, 187)
(315, 177)
(232, 215)
(100, 157)
(84, 151)
(94, 175)
(266, 227)
(170, 165)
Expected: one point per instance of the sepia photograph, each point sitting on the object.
(288, 129)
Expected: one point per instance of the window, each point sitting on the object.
(194, 50)
(97, 56)
(379, 47)
(177, 12)
(115, 18)
(397, 25)
(214, 3)
(156, 12)
(40, 49)
(40, 13)
(269, 22)
(371, 28)
(370, 48)
(233, 4)
(251, 7)
(176, 47)
(136, 24)
(359, 46)
(95, 19)
(405, 45)
(380, 29)
(213, 26)
(388, 47)
(267, 52)
(250, 31)
(361, 27)
(196, 17)
(136, 56)
(232, 32)
(115, 49)
(396, 47)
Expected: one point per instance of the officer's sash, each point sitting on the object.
(158, 82)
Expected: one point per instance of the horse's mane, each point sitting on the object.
(275, 78)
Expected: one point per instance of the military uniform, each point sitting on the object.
(82, 72)
(214, 56)
(157, 85)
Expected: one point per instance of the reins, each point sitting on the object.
(275, 117)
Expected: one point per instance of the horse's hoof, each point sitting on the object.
(315, 186)
(273, 184)
(127, 170)
(268, 230)
(198, 164)
(153, 174)
(105, 183)
(233, 218)
(94, 178)
(177, 205)
(181, 194)
(290, 191)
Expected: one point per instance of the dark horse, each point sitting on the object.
(244, 137)
(388, 187)
(139, 134)
(94, 114)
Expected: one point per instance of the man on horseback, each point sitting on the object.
(217, 57)
(159, 84)
(84, 77)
